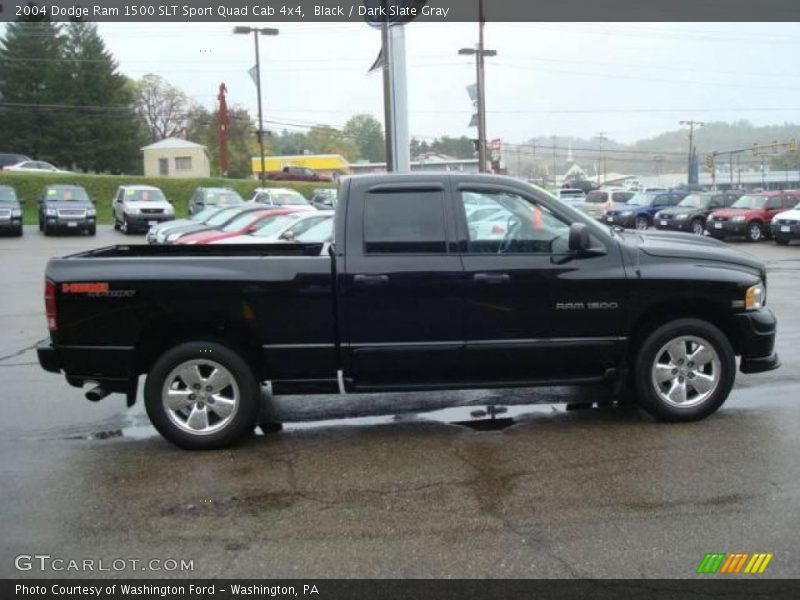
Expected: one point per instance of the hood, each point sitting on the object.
(793, 215)
(733, 212)
(187, 229)
(672, 244)
(66, 204)
(140, 204)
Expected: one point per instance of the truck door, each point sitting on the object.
(402, 286)
(533, 311)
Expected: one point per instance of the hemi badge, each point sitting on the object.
(84, 288)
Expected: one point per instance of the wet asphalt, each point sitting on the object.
(602, 492)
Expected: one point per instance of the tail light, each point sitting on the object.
(497, 229)
(50, 305)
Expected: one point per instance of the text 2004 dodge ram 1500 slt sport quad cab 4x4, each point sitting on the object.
(410, 296)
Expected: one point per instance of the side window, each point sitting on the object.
(513, 225)
(621, 196)
(407, 222)
(789, 201)
(774, 203)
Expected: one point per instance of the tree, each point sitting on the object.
(201, 127)
(327, 140)
(460, 147)
(163, 107)
(367, 133)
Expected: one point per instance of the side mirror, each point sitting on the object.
(287, 235)
(579, 240)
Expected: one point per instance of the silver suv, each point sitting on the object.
(139, 207)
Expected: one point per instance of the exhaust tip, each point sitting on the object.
(96, 394)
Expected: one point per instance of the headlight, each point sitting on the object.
(51, 212)
(682, 216)
(16, 212)
(755, 296)
(626, 213)
(173, 236)
(739, 219)
(91, 212)
(190, 242)
(129, 210)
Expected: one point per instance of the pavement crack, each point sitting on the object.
(22, 350)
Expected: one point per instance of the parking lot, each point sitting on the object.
(600, 492)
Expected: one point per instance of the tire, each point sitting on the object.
(18, 232)
(124, 227)
(92, 230)
(45, 229)
(212, 428)
(754, 232)
(41, 227)
(641, 223)
(667, 391)
(698, 227)
(116, 223)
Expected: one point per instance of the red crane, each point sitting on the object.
(222, 129)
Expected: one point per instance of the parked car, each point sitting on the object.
(140, 207)
(409, 301)
(785, 226)
(296, 174)
(750, 216)
(572, 196)
(640, 210)
(8, 159)
(286, 227)
(320, 233)
(219, 218)
(36, 166)
(66, 208)
(279, 197)
(324, 198)
(205, 197)
(158, 233)
(598, 201)
(691, 213)
(10, 211)
(247, 221)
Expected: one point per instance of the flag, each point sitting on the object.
(253, 72)
(379, 62)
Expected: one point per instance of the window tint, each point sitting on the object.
(404, 222)
(516, 226)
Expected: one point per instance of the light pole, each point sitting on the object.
(256, 31)
(480, 52)
(691, 125)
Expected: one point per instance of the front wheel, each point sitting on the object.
(698, 227)
(202, 395)
(642, 223)
(684, 370)
(754, 232)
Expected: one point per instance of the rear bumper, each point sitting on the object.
(756, 339)
(113, 367)
(48, 357)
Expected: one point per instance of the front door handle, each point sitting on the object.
(363, 279)
(491, 277)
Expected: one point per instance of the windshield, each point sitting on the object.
(284, 199)
(695, 201)
(273, 227)
(242, 221)
(321, 232)
(305, 224)
(222, 217)
(222, 197)
(67, 194)
(204, 214)
(642, 199)
(144, 196)
(7, 194)
(750, 201)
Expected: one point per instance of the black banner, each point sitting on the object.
(395, 589)
(440, 11)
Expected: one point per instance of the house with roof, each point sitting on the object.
(174, 157)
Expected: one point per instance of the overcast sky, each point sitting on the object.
(634, 80)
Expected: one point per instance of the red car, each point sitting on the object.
(296, 174)
(244, 223)
(750, 216)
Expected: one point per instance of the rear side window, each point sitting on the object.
(621, 196)
(404, 222)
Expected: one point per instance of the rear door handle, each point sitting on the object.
(491, 277)
(362, 279)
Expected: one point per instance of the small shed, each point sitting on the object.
(174, 157)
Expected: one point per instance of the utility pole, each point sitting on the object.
(691, 125)
(555, 179)
(256, 31)
(601, 137)
(480, 53)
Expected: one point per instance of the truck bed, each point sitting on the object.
(183, 250)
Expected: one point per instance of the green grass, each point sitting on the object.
(101, 188)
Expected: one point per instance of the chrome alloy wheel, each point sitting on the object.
(686, 371)
(200, 397)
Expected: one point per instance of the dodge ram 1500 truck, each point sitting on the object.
(409, 297)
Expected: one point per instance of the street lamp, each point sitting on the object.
(256, 31)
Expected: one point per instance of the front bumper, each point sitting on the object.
(674, 224)
(721, 229)
(627, 221)
(145, 222)
(755, 331)
(14, 223)
(67, 224)
(785, 231)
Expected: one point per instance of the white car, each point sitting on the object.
(279, 197)
(282, 228)
(785, 226)
(35, 165)
(140, 207)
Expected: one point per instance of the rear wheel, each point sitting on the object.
(698, 226)
(754, 232)
(202, 395)
(642, 223)
(684, 370)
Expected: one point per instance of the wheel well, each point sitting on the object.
(157, 338)
(665, 313)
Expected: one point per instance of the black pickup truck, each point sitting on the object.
(411, 295)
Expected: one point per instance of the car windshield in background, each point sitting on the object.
(145, 196)
(222, 217)
(67, 194)
(283, 199)
(571, 194)
(642, 199)
(321, 232)
(275, 226)
(241, 222)
(597, 197)
(695, 201)
(205, 214)
(222, 197)
(750, 201)
(7, 194)
(6, 160)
